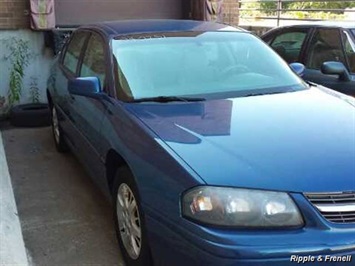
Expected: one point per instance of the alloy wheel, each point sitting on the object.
(55, 125)
(129, 222)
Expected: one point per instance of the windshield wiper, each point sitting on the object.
(310, 83)
(165, 99)
(263, 93)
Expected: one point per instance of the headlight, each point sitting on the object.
(240, 207)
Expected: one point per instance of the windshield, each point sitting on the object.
(199, 64)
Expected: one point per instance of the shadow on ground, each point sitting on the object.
(64, 218)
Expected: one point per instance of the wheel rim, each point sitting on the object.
(55, 124)
(129, 221)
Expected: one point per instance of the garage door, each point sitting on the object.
(78, 12)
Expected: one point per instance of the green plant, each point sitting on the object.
(19, 56)
(334, 9)
(34, 90)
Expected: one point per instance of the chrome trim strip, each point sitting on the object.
(336, 207)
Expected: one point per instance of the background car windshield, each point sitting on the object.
(195, 63)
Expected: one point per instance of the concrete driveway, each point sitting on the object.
(65, 219)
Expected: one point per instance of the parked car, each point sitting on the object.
(208, 156)
(316, 45)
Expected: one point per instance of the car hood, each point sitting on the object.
(300, 141)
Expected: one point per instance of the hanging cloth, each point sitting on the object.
(214, 10)
(42, 14)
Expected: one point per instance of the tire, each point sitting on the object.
(58, 135)
(30, 115)
(125, 188)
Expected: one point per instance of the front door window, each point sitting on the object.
(94, 59)
(289, 44)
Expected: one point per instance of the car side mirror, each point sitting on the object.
(335, 68)
(88, 87)
(298, 68)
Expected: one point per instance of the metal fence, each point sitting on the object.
(279, 11)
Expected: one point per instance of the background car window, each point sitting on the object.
(349, 48)
(325, 46)
(94, 59)
(72, 54)
(268, 39)
(288, 45)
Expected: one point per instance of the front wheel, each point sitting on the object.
(129, 221)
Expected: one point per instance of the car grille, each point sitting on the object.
(335, 207)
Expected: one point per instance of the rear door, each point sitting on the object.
(349, 50)
(67, 69)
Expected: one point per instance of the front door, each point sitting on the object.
(87, 113)
(326, 45)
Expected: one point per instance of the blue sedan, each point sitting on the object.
(210, 147)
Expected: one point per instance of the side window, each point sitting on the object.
(325, 46)
(349, 48)
(289, 44)
(94, 59)
(71, 57)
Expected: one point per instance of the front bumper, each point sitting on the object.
(181, 247)
(320, 242)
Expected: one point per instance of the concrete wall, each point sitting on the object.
(14, 14)
(38, 68)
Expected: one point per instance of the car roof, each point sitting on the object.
(124, 27)
(340, 24)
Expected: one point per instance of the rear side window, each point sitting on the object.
(349, 47)
(72, 54)
(289, 44)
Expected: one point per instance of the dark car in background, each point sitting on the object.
(209, 146)
(327, 49)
